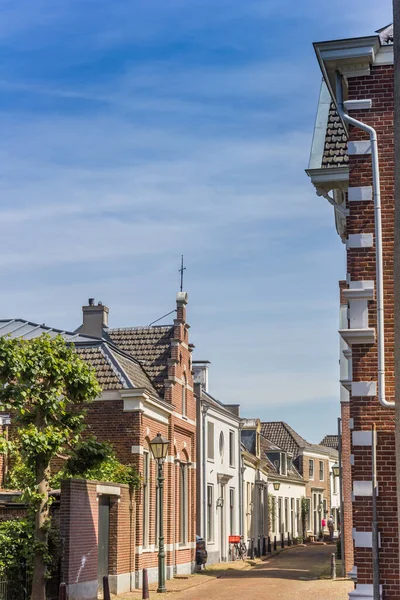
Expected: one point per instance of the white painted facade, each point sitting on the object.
(218, 473)
(255, 500)
(286, 509)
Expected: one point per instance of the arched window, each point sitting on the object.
(184, 396)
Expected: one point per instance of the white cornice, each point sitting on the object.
(358, 336)
(330, 178)
(359, 294)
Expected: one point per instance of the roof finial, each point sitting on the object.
(181, 272)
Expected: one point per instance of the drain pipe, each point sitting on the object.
(378, 240)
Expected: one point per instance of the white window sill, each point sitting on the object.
(185, 546)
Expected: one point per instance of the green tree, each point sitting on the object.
(46, 386)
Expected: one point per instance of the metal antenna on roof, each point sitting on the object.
(181, 272)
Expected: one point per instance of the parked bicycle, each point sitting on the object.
(237, 548)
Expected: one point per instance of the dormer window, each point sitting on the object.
(283, 464)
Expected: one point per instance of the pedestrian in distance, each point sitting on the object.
(323, 525)
(330, 527)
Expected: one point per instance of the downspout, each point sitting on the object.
(378, 240)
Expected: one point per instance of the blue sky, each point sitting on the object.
(134, 131)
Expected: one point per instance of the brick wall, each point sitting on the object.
(347, 524)
(361, 265)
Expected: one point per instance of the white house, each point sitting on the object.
(219, 483)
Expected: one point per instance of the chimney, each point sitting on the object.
(95, 319)
(200, 373)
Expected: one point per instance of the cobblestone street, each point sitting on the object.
(290, 575)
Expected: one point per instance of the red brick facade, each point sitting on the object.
(347, 525)
(361, 265)
(130, 422)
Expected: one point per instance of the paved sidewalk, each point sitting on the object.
(291, 575)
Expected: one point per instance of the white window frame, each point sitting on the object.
(210, 513)
(311, 475)
(321, 470)
(231, 448)
(183, 504)
(210, 441)
(146, 499)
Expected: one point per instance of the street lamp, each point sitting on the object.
(159, 448)
(277, 485)
(336, 470)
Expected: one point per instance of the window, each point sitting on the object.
(321, 470)
(232, 511)
(311, 468)
(183, 508)
(283, 464)
(292, 516)
(298, 517)
(286, 514)
(280, 520)
(249, 505)
(157, 517)
(289, 464)
(221, 446)
(146, 497)
(308, 515)
(210, 440)
(272, 514)
(210, 509)
(232, 448)
(184, 396)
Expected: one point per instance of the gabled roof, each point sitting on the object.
(114, 369)
(151, 346)
(281, 434)
(267, 446)
(27, 330)
(330, 441)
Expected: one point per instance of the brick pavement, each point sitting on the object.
(292, 575)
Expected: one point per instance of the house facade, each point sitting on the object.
(147, 387)
(284, 503)
(312, 461)
(357, 90)
(219, 469)
(151, 392)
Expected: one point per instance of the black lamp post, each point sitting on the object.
(159, 448)
(336, 470)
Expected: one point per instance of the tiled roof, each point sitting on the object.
(330, 441)
(107, 376)
(114, 370)
(267, 446)
(151, 346)
(284, 436)
(335, 148)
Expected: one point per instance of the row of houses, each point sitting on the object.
(224, 475)
(352, 165)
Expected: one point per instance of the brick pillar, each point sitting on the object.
(347, 524)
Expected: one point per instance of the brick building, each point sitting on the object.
(358, 83)
(314, 464)
(147, 387)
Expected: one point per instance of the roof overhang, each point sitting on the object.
(330, 178)
(352, 57)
